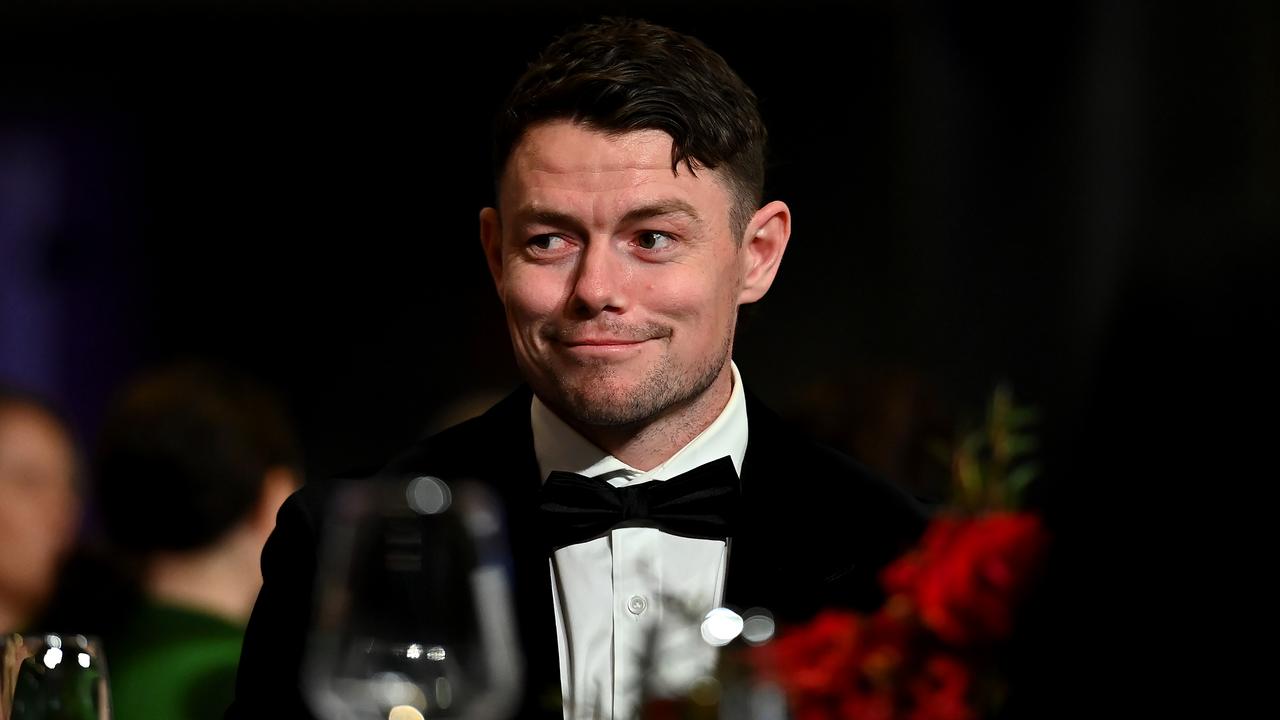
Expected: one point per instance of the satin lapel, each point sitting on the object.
(506, 450)
(497, 449)
(754, 551)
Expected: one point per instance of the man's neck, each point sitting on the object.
(648, 444)
(216, 580)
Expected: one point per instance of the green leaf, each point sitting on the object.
(1020, 416)
(1019, 479)
(1022, 444)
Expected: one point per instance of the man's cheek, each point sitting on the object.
(536, 290)
(681, 302)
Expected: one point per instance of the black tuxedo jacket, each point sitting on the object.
(816, 528)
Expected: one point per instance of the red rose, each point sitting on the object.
(941, 690)
(871, 705)
(819, 658)
(888, 640)
(842, 665)
(967, 575)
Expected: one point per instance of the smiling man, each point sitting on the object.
(622, 273)
(645, 489)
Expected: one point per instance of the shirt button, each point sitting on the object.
(636, 604)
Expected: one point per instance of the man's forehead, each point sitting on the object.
(563, 147)
(563, 156)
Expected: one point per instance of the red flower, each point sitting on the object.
(941, 690)
(842, 665)
(967, 575)
(920, 656)
(819, 658)
(877, 704)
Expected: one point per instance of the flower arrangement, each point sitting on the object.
(931, 651)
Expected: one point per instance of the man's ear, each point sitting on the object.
(762, 247)
(491, 239)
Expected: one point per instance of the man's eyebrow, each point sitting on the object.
(663, 208)
(530, 214)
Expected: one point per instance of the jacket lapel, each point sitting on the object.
(511, 466)
(497, 449)
(755, 555)
(507, 449)
(816, 526)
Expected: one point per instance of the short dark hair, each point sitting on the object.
(183, 455)
(619, 75)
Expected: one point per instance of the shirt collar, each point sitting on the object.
(559, 447)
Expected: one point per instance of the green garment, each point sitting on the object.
(173, 663)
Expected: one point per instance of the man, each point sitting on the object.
(628, 230)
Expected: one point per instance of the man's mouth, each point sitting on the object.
(602, 341)
(603, 348)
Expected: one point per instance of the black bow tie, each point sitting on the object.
(700, 503)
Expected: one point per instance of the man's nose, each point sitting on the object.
(600, 283)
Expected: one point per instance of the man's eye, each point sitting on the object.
(651, 240)
(547, 242)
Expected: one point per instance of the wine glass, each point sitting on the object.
(414, 615)
(53, 677)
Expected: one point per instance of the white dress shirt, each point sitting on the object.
(638, 594)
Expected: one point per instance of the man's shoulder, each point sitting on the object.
(789, 469)
(471, 446)
(818, 525)
(780, 446)
(479, 447)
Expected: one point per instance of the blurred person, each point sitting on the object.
(39, 506)
(192, 466)
(628, 229)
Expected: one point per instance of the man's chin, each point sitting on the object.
(603, 402)
(599, 406)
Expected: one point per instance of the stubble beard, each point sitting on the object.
(594, 396)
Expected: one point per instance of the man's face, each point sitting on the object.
(621, 281)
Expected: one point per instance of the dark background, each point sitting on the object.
(1079, 198)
